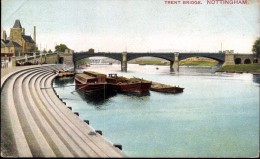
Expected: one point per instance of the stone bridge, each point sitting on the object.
(228, 57)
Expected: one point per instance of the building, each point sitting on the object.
(18, 43)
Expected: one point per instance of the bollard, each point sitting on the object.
(76, 113)
(99, 131)
(118, 146)
(58, 96)
(70, 108)
(64, 103)
(86, 121)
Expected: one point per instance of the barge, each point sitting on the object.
(99, 84)
(65, 74)
(94, 84)
(158, 87)
(129, 85)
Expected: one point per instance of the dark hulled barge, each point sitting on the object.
(99, 84)
(129, 85)
(94, 84)
(158, 87)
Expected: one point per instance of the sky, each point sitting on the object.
(136, 25)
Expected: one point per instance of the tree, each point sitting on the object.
(60, 48)
(256, 47)
(50, 51)
(44, 51)
(36, 49)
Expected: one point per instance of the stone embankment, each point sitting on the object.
(36, 123)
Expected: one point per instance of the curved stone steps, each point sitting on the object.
(16, 139)
(58, 125)
(84, 130)
(35, 123)
(52, 138)
(37, 142)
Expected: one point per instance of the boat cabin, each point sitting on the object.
(101, 78)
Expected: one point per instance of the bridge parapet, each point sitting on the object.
(229, 57)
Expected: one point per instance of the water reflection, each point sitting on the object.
(96, 99)
(256, 79)
(61, 82)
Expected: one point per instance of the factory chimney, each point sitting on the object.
(34, 34)
(4, 35)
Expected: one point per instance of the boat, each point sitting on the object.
(65, 74)
(94, 84)
(256, 73)
(129, 85)
(158, 87)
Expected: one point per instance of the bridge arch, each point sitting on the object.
(152, 58)
(215, 56)
(159, 55)
(247, 61)
(238, 61)
(255, 60)
(79, 56)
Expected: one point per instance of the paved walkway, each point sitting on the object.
(36, 123)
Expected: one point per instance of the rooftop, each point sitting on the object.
(17, 24)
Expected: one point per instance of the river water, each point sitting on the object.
(217, 115)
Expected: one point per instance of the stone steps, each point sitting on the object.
(36, 123)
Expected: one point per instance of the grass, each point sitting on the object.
(182, 63)
(150, 62)
(198, 63)
(248, 68)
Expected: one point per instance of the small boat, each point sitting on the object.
(256, 73)
(65, 74)
(129, 85)
(158, 87)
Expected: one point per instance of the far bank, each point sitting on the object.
(243, 68)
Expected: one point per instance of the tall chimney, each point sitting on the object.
(4, 35)
(34, 34)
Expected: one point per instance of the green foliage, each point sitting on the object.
(256, 47)
(198, 63)
(50, 51)
(36, 49)
(241, 68)
(60, 48)
(150, 62)
(82, 62)
(44, 51)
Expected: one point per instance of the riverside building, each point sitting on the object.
(17, 43)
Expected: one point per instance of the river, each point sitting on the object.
(217, 115)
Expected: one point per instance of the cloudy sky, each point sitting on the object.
(136, 25)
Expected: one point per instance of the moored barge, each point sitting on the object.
(129, 85)
(65, 74)
(99, 84)
(158, 87)
(94, 84)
